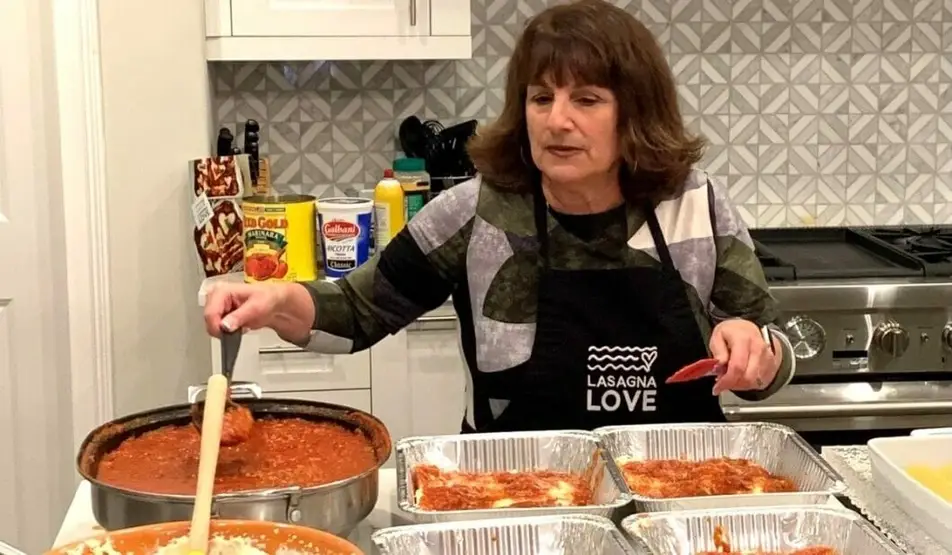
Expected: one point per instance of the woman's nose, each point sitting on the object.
(560, 115)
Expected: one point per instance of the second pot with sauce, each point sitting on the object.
(335, 507)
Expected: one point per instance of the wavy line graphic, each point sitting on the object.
(615, 358)
(610, 349)
(624, 367)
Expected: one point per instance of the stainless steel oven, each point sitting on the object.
(869, 312)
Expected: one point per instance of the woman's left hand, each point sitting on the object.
(749, 364)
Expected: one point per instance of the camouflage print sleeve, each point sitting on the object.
(415, 273)
(740, 288)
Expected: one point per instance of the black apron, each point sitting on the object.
(605, 342)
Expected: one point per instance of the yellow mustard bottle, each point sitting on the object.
(389, 212)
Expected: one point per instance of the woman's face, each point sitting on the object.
(572, 131)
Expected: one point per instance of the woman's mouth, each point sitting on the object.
(563, 151)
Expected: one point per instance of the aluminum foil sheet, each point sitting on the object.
(567, 451)
(852, 462)
(775, 529)
(542, 535)
(777, 448)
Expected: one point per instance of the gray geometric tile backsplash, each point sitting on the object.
(818, 112)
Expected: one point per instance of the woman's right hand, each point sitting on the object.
(286, 308)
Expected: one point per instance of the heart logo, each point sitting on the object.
(649, 358)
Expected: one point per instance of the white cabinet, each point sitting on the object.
(242, 30)
(279, 366)
(331, 18)
(419, 377)
(437, 378)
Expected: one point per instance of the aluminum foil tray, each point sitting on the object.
(567, 451)
(777, 448)
(772, 529)
(538, 535)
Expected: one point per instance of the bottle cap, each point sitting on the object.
(409, 165)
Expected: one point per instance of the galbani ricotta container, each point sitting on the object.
(344, 224)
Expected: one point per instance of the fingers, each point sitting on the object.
(251, 314)
(750, 364)
(737, 362)
(719, 348)
(233, 307)
(217, 304)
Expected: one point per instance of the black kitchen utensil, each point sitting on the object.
(225, 142)
(252, 142)
(230, 346)
(413, 137)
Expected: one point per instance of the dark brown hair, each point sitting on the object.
(591, 42)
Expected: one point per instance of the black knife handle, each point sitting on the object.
(225, 141)
(252, 140)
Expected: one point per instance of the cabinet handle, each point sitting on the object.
(434, 323)
(832, 410)
(412, 13)
(281, 350)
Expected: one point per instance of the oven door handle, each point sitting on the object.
(832, 410)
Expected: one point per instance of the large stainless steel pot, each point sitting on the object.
(336, 508)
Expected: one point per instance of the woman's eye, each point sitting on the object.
(541, 99)
(587, 101)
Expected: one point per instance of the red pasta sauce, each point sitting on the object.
(278, 452)
(441, 490)
(721, 476)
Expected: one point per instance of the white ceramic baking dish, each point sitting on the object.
(890, 456)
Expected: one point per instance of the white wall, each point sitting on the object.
(158, 116)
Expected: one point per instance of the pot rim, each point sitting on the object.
(248, 495)
(163, 527)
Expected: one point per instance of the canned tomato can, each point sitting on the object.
(280, 238)
(345, 233)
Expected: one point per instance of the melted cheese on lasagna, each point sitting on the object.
(722, 476)
(440, 490)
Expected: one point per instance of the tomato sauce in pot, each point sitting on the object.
(279, 452)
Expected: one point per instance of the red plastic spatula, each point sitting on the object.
(701, 369)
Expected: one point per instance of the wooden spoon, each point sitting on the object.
(212, 420)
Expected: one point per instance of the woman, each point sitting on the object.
(584, 262)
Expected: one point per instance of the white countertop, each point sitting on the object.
(80, 524)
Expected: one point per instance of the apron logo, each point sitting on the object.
(619, 378)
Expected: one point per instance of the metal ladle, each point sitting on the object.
(230, 345)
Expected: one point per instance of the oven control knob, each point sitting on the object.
(806, 335)
(947, 336)
(891, 338)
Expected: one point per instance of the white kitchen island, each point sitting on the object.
(80, 524)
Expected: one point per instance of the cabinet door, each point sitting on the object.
(279, 366)
(437, 378)
(329, 18)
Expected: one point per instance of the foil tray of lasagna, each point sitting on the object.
(548, 535)
(776, 448)
(575, 452)
(784, 529)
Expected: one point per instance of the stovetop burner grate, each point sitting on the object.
(930, 244)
